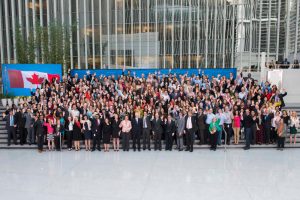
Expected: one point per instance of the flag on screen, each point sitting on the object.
(28, 79)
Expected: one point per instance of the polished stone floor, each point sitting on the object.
(243, 175)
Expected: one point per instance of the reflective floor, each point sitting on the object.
(237, 174)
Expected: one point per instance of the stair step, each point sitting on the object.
(4, 146)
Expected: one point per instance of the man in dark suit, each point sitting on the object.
(39, 131)
(157, 128)
(190, 129)
(248, 122)
(201, 127)
(170, 129)
(96, 132)
(11, 124)
(21, 120)
(267, 118)
(137, 128)
(146, 131)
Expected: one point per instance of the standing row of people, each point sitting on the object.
(175, 108)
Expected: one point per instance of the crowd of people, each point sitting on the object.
(176, 110)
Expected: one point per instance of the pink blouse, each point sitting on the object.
(50, 129)
(126, 126)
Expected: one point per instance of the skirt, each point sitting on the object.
(88, 135)
(293, 130)
(106, 138)
(76, 135)
(50, 137)
(115, 134)
(260, 135)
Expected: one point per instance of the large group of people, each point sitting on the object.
(172, 111)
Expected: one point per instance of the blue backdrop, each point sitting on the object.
(46, 68)
(139, 72)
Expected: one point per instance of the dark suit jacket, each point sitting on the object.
(170, 127)
(21, 120)
(194, 123)
(96, 129)
(201, 121)
(39, 128)
(7, 119)
(267, 120)
(157, 126)
(148, 122)
(137, 127)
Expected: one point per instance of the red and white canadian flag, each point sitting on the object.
(28, 79)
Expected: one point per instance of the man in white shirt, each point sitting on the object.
(190, 128)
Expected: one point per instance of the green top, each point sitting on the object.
(215, 125)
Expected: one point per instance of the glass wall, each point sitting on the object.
(160, 33)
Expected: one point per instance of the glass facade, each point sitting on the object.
(160, 33)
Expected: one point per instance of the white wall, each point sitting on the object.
(291, 83)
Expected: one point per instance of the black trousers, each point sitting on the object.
(157, 141)
(22, 133)
(273, 135)
(213, 140)
(96, 141)
(136, 141)
(267, 130)
(190, 137)
(201, 136)
(228, 129)
(11, 133)
(69, 135)
(125, 141)
(248, 135)
(146, 138)
(57, 142)
(169, 141)
(206, 134)
(40, 142)
(254, 129)
(280, 142)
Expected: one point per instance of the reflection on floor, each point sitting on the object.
(236, 174)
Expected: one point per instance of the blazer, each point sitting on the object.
(148, 122)
(194, 123)
(170, 127)
(28, 120)
(137, 126)
(96, 128)
(180, 122)
(7, 119)
(157, 126)
(201, 121)
(39, 127)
